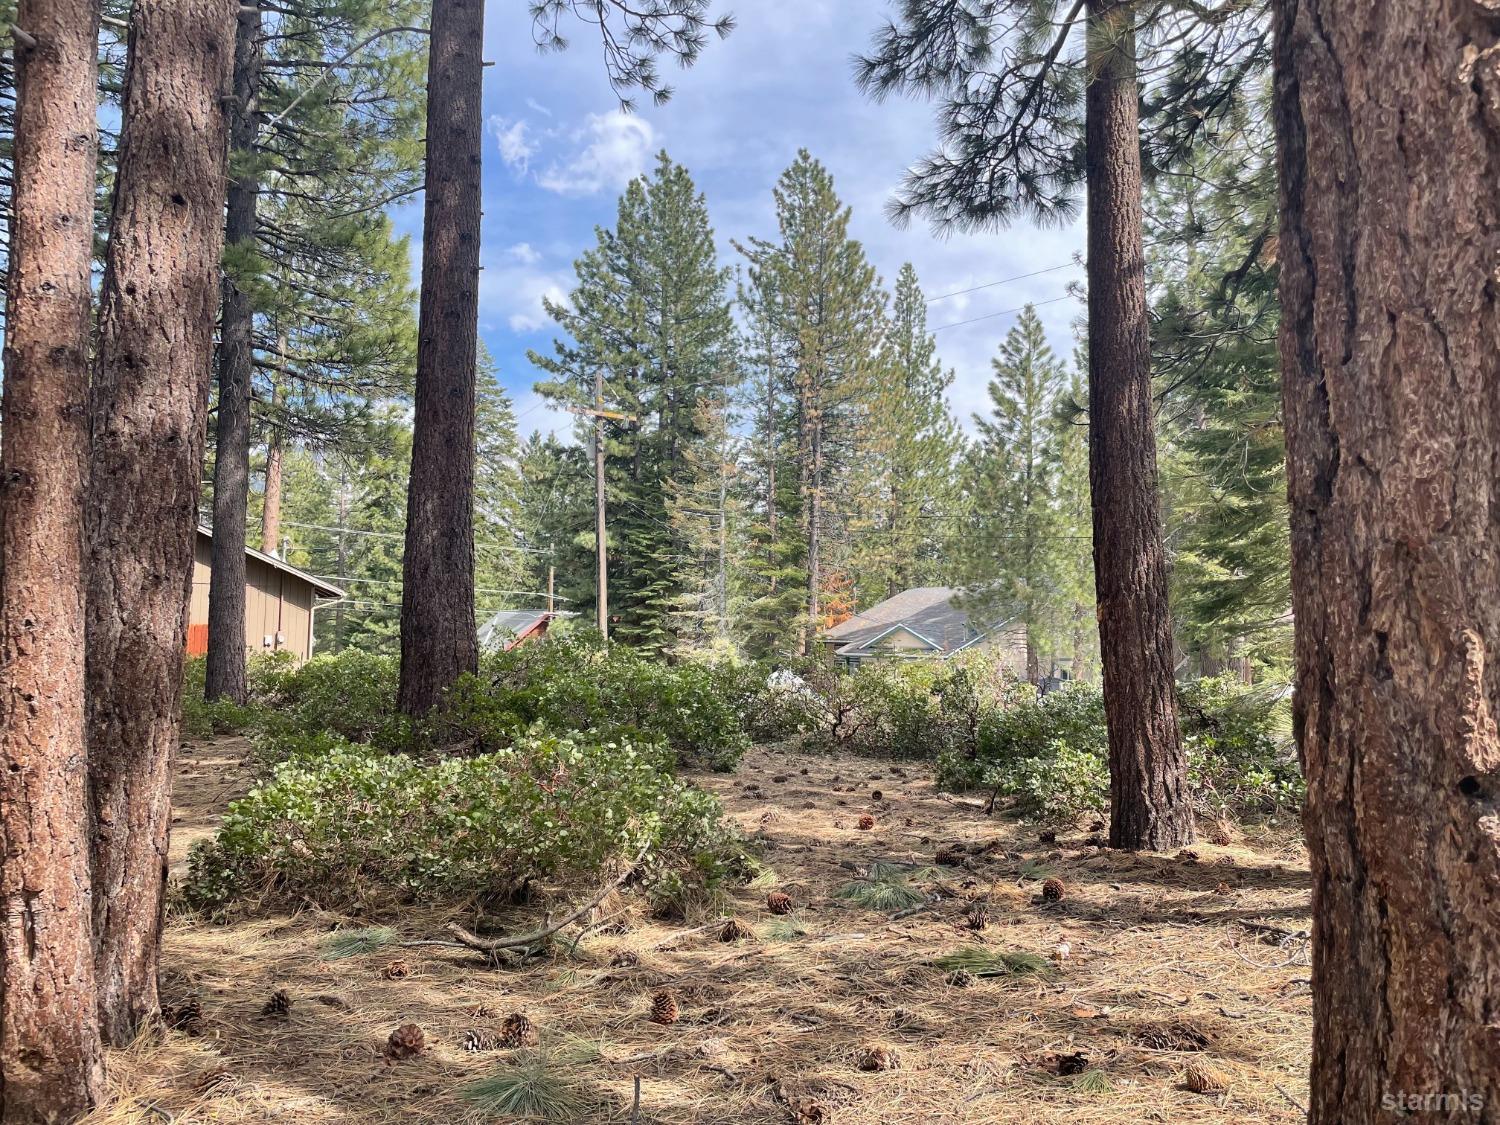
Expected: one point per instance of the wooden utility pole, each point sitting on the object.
(551, 588)
(601, 556)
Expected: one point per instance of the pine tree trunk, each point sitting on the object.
(270, 515)
(149, 397)
(51, 1064)
(438, 641)
(1388, 122)
(1149, 804)
(224, 677)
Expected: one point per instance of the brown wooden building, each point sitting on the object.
(280, 601)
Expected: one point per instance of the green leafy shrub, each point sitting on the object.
(204, 719)
(351, 695)
(354, 823)
(614, 691)
(1051, 754)
(1060, 784)
(1240, 751)
(911, 709)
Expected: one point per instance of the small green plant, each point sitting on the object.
(788, 928)
(888, 894)
(355, 943)
(1094, 1082)
(981, 962)
(535, 1083)
(1034, 869)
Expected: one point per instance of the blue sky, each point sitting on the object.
(558, 152)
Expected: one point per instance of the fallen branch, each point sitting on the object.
(521, 941)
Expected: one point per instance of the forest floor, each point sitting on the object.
(1172, 964)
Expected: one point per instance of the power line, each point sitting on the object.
(1003, 312)
(394, 582)
(394, 535)
(1002, 281)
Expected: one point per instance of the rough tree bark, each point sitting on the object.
(51, 1064)
(157, 309)
(1149, 806)
(224, 674)
(438, 641)
(270, 515)
(1388, 122)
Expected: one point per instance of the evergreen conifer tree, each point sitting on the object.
(651, 310)
(1009, 550)
(816, 296)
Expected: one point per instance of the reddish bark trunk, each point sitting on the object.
(158, 305)
(1388, 122)
(1149, 805)
(438, 641)
(224, 675)
(51, 1064)
(270, 515)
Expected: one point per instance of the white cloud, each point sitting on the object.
(525, 253)
(618, 147)
(515, 149)
(512, 293)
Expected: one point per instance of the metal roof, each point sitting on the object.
(320, 586)
(511, 623)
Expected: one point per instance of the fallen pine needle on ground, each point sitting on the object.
(1138, 988)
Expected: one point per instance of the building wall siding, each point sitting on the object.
(278, 608)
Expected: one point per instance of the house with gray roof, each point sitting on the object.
(923, 623)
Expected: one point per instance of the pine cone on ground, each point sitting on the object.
(1053, 890)
(625, 959)
(1049, 836)
(866, 822)
(279, 1005)
(1187, 855)
(481, 1011)
(1072, 1064)
(480, 1039)
(213, 1082)
(735, 930)
(406, 1042)
(186, 1017)
(1220, 837)
(879, 1058)
(518, 1031)
(664, 1008)
(948, 857)
(1223, 889)
(396, 970)
(977, 917)
(779, 902)
(1202, 1081)
(962, 978)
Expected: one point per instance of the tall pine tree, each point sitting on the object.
(1008, 547)
(816, 297)
(651, 312)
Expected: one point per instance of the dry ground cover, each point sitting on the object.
(1167, 973)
